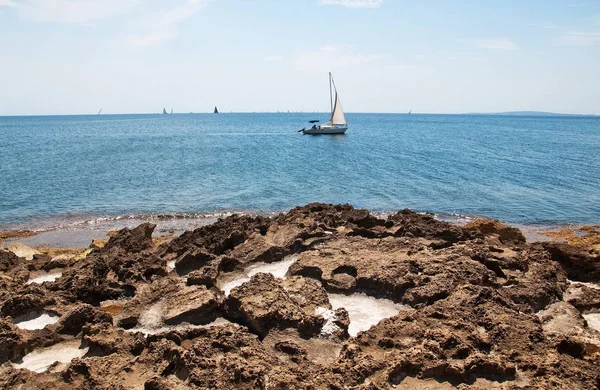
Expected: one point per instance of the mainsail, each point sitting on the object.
(164, 110)
(337, 116)
(215, 111)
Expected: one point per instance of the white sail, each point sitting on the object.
(337, 116)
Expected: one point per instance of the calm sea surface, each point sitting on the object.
(517, 169)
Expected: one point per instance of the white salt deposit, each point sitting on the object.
(37, 320)
(152, 318)
(278, 269)
(365, 311)
(45, 277)
(169, 328)
(590, 285)
(40, 360)
(593, 320)
(171, 265)
(329, 327)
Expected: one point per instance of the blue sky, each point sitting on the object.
(133, 56)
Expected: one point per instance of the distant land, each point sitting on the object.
(527, 113)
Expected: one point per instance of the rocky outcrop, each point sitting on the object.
(191, 304)
(131, 240)
(581, 263)
(263, 304)
(584, 298)
(483, 308)
(505, 234)
(8, 260)
(73, 321)
(11, 342)
(407, 223)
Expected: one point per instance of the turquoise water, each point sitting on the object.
(516, 169)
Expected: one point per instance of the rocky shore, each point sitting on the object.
(321, 297)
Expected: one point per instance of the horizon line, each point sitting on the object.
(513, 113)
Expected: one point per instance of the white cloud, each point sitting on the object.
(70, 11)
(8, 3)
(273, 58)
(149, 29)
(149, 39)
(354, 3)
(497, 44)
(159, 27)
(579, 38)
(330, 57)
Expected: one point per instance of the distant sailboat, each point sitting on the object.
(409, 111)
(337, 123)
(215, 110)
(171, 110)
(164, 111)
(99, 111)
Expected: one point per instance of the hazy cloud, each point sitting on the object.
(497, 44)
(330, 57)
(579, 38)
(70, 11)
(8, 3)
(159, 27)
(353, 3)
(273, 58)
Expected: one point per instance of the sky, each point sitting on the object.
(451, 56)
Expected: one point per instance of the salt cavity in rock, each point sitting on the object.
(364, 311)
(593, 320)
(150, 322)
(278, 269)
(171, 265)
(170, 328)
(36, 320)
(45, 277)
(40, 360)
(329, 327)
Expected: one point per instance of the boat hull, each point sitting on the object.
(326, 130)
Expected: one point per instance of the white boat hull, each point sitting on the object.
(339, 129)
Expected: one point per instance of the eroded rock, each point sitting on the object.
(470, 307)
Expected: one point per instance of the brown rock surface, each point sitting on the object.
(488, 309)
(581, 263)
(8, 260)
(263, 303)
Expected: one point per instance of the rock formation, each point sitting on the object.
(482, 307)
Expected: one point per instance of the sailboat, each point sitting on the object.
(99, 112)
(337, 122)
(215, 111)
(171, 110)
(410, 111)
(164, 111)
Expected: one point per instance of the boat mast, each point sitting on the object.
(330, 95)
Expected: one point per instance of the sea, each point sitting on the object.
(58, 172)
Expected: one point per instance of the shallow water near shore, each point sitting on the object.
(61, 169)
